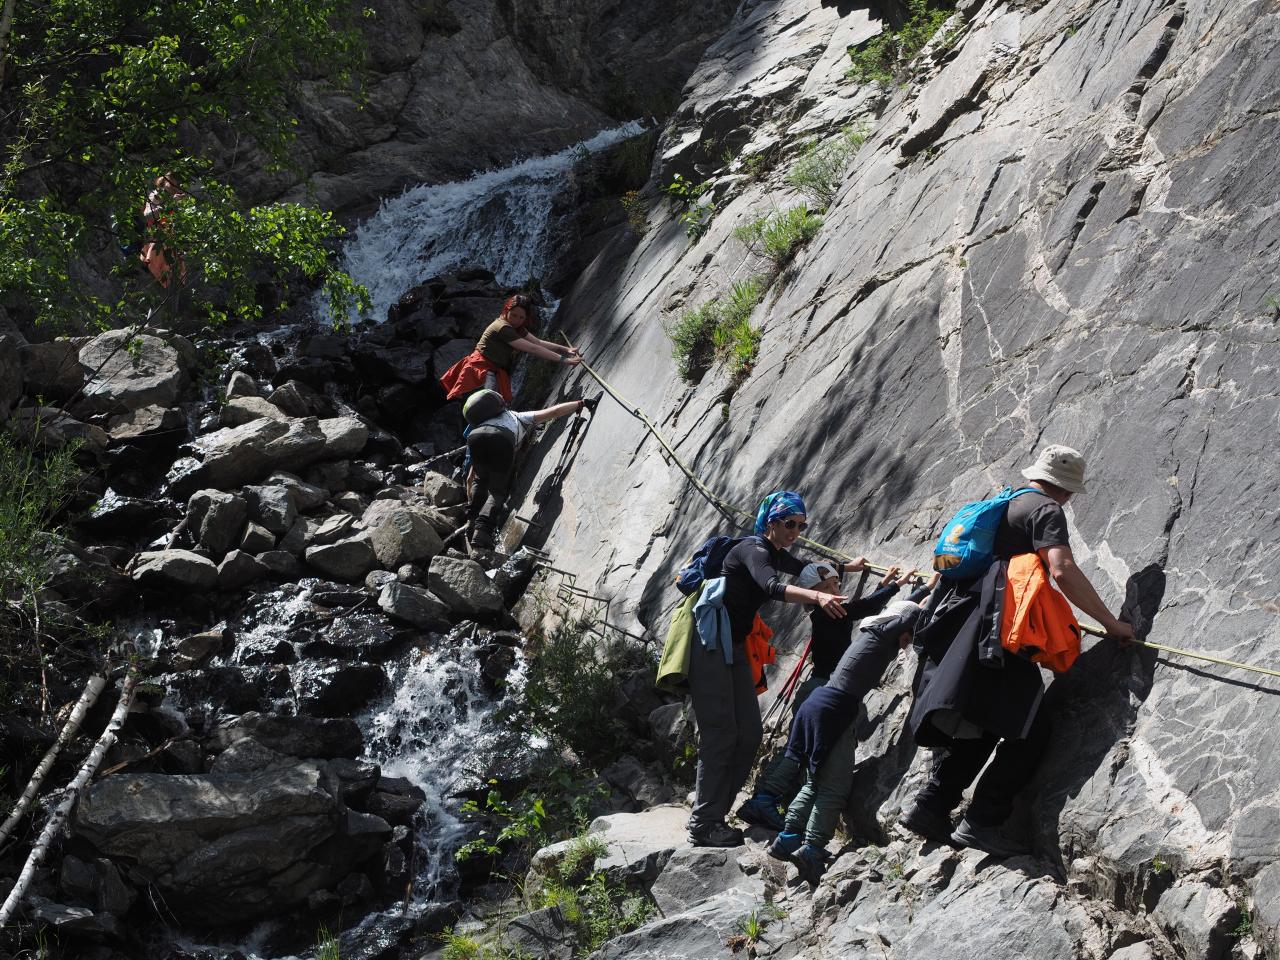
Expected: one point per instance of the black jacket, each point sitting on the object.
(964, 668)
(752, 573)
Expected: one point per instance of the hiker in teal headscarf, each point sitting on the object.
(778, 506)
(721, 684)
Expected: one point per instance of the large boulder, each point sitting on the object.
(130, 371)
(462, 584)
(346, 560)
(295, 736)
(695, 874)
(216, 519)
(175, 568)
(343, 437)
(413, 605)
(235, 456)
(400, 534)
(51, 370)
(240, 410)
(638, 845)
(53, 429)
(271, 507)
(151, 422)
(226, 848)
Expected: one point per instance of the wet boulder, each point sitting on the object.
(216, 519)
(462, 584)
(400, 534)
(226, 848)
(343, 436)
(440, 491)
(413, 605)
(271, 507)
(296, 736)
(337, 689)
(240, 384)
(235, 456)
(344, 560)
(240, 410)
(175, 568)
(146, 424)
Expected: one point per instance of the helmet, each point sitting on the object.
(483, 405)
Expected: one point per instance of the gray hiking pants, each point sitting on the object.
(783, 776)
(729, 729)
(817, 807)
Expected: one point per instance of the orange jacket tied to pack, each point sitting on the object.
(1037, 622)
(760, 652)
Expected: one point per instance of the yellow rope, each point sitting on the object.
(749, 518)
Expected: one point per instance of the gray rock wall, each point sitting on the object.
(1063, 229)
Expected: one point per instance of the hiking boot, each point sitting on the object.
(992, 840)
(715, 835)
(812, 863)
(784, 846)
(762, 811)
(481, 535)
(926, 823)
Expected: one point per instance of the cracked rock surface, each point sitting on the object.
(1060, 229)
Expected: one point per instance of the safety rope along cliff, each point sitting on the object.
(735, 512)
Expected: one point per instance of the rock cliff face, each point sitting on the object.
(1062, 228)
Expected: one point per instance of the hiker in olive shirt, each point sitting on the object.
(971, 699)
(489, 366)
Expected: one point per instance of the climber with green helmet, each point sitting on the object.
(496, 433)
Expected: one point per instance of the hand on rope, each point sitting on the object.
(732, 511)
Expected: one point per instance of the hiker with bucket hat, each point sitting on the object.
(974, 701)
(495, 436)
(824, 738)
(830, 639)
(721, 684)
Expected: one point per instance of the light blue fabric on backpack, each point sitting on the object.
(967, 545)
(713, 619)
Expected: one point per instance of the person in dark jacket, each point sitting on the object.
(720, 682)
(824, 738)
(972, 700)
(830, 639)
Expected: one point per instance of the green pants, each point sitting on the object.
(816, 808)
(781, 776)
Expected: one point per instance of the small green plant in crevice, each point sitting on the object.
(884, 58)
(326, 945)
(735, 340)
(752, 927)
(1272, 303)
(697, 208)
(820, 169)
(459, 946)
(636, 209)
(1159, 866)
(719, 330)
(692, 340)
(778, 236)
(1245, 927)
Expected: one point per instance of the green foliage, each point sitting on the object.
(1245, 927)
(105, 96)
(634, 158)
(697, 208)
(1158, 865)
(572, 691)
(459, 946)
(720, 330)
(884, 58)
(778, 236)
(34, 487)
(752, 927)
(756, 165)
(1272, 303)
(692, 343)
(820, 170)
(637, 212)
(598, 910)
(326, 945)
(523, 822)
(580, 856)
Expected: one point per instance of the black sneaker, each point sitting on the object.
(926, 823)
(716, 835)
(992, 840)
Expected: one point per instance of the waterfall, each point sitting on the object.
(500, 220)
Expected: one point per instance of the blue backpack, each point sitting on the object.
(705, 563)
(967, 545)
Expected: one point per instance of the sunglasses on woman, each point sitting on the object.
(793, 524)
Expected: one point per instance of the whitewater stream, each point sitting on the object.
(433, 720)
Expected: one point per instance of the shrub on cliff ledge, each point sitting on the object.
(777, 237)
(884, 57)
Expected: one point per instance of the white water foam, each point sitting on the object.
(499, 220)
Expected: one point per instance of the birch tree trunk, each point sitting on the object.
(58, 818)
(69, 730)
